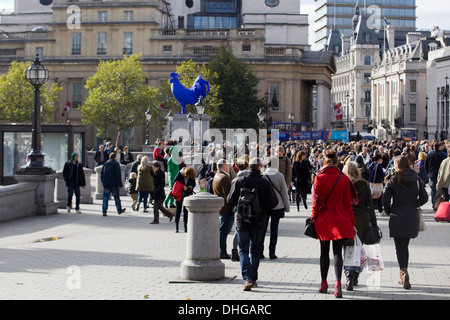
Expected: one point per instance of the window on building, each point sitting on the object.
(274, 98)
(101, 43)
(367, 60)
(246, 48)
(76, 94)
(76, 43)
(40, 52)
(412, 112)
(128, 15)
(102, 16)
(167, 49)
(412, 86)
(128, 43)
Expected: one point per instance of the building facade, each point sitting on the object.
(358, 53)
(399, 86)
(338, 14)
(438, 82)
(81, 33)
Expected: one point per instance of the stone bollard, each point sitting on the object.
(98, 195)
(202, 261)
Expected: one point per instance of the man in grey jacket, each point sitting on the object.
(278, 183)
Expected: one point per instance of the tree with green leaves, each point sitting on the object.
(17, 96)
(119, 96)
(188, 72)
(237, 90)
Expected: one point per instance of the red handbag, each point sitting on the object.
(177, 191)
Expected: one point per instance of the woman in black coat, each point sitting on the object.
(301, 175)
(159, 180)
(407, 192)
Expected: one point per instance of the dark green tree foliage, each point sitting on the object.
(237, 89)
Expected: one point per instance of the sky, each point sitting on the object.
(429, 13)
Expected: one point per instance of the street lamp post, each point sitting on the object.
(348, 106)
(446, 93)
(200, 106)
(189, 120)
(148, 117)
(291, 119)
(170, 119)
(426, 117)
(37, 75)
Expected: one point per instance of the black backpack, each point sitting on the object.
(248, 205)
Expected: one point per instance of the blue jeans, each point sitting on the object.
(434, 191)
(143, 197)
(250, 237)
(226, 221)
(71, 189)
(106, 193)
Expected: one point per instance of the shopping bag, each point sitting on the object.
(374, 260)
(364, 258)
(352, 256)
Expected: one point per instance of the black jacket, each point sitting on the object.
(111, 175)
(74, 173)
(401, 198)
(159, 179)
(267, 197)
(97, 157)
(190, 183)
(432, 164)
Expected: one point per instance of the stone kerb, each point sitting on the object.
(202, 261)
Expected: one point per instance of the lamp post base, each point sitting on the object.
(36, 165)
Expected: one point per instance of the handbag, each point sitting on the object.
(372, 235)
(309, 228)
(422, 225)
(310, 231)
(376, 188)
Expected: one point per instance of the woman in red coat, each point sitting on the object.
(333, 219)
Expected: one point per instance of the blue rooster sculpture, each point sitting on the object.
(186, 96)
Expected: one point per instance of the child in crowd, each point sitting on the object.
(132, 190)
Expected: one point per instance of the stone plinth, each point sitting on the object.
(202, 261)
(45, 192)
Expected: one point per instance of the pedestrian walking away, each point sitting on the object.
(363, 211)
(254, 198)
(403, 194)
(144, 184)
(112, 183)
(276, 180)
(333, 220)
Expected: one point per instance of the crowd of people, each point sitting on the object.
(342, 179)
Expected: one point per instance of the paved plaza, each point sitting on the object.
(90, 257)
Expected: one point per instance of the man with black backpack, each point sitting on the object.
(254, 197)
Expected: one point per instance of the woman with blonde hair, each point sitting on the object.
(144, 184)
(421, 164)
(363, 212)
